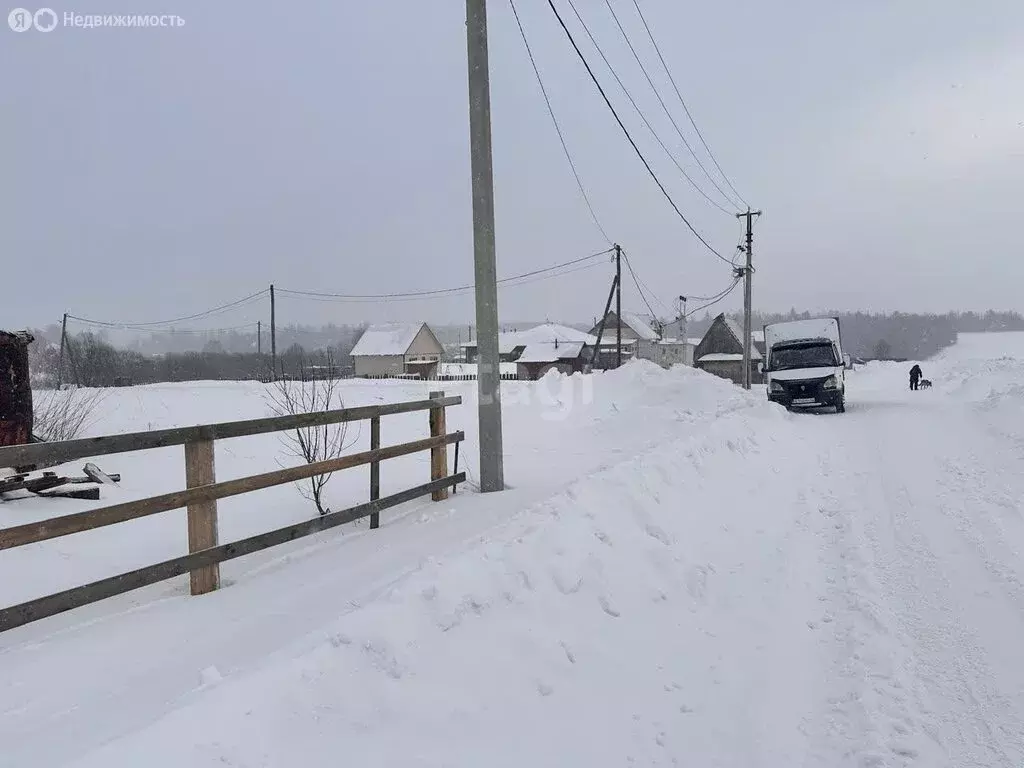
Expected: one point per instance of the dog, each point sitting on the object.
(925, 384)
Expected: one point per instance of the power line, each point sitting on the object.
(640, 112)
(640, 290)
(661, 101)
(714, 299)
(170, 330)
(197, 316)
(558, 128)
(683, 102)
(442, 291)
(630, 138)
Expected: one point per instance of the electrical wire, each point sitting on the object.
(169, 330)
(511, 282)
(558, 128)
(438, 291)
(682, 101)
(640, 290)
(640, 112)
(629, 137)
(715, 299)
(186, 318)
(664, 106)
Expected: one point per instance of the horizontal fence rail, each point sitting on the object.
(203, 491)
(65, 525)
(43, 607)
(70, 450)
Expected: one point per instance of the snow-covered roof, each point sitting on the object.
(721, 357)
(547, 352)
(758, 335)
(544, 337)
(639, 326)
(695, 341)
(737, 331)
(386, 339)
(552, 332)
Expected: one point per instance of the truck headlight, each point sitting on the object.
(831, 383)
(776, 387)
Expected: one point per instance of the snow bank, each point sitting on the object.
(560, 638)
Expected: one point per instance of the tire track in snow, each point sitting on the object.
(933, 557)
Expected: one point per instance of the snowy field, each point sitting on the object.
(680, 574)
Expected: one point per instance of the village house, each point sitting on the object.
(720, 352)
(668, 352)
(394, 349)
(635, 329)
(536, 350)
(553, 347)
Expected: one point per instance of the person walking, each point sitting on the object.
(915, 376)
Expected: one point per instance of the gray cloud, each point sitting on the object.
(323, 145)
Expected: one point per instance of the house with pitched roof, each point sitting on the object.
(394, 349)
(720, 352)
(635, 330)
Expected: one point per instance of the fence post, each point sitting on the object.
(374, 469)
(202, 515)
(438, 455)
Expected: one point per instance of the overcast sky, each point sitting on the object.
(323, 145)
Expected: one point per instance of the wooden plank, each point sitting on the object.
(375, 469)
(70, 450)
(84, 494)
(200, 470)
(42, 607)
(439, 454)
(118, 513)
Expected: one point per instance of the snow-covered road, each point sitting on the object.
(764, 589)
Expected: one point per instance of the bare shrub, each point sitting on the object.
(63, 414)
(311, 444)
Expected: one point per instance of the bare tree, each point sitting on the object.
(311, 444)
(62, 414)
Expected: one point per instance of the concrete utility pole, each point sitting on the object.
(492, 469)
(618, 306)
(273, 335)
(747, 273)
(682, 319)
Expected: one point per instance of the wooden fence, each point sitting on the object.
(202, 491)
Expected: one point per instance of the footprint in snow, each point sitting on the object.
(607, 607)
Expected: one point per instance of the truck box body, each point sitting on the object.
(805, 364)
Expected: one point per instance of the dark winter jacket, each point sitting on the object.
(915, 373)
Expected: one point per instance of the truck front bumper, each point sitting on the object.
(820, 398)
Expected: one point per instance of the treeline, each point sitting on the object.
(899, 335)
(91, 362)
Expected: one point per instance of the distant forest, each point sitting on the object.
(101, 359)
(896, 336)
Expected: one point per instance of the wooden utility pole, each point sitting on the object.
(747, 294)
(604, 319)
(492, 470)
(618, 306)
(60, 360)
(259, 339)
(273, 335)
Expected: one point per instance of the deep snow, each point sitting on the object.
(682, 574)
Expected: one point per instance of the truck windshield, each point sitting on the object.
(803, 356)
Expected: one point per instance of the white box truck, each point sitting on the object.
(805, 365)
